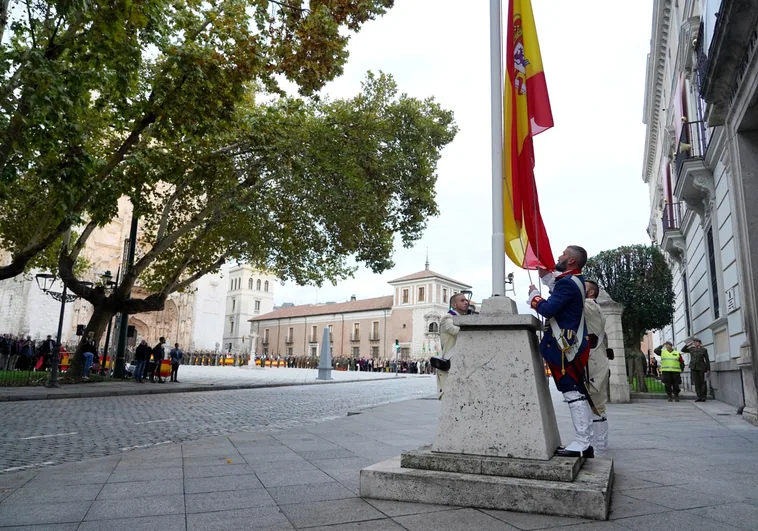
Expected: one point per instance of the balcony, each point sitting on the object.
(374, 337)
(265, 341)
(694, 180)
(289, 340)
(672, 241)
(355, 337)
(313, 339)
(734, 40)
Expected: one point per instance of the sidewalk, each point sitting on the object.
(679, 466)
(196, 379)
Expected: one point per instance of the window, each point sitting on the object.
(231, 327)
(231, 284)
(265, 336)
(234, 304)
(258, 284)
(356, 352)
(421, 293)
(374, 352)
(444, 295)
(257, 306)
(265, 286)
(331, 329)
(250, 283)
(686, 292)
(314, 333)
(714, 277)
(356, 331)
(265, 352)
(290, 335)
(314, 351)
(405, 296)
(289, 351)
(375, 330)
(433, 328)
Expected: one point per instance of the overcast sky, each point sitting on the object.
(588, 166)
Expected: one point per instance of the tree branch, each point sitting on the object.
(197, 276)
(31, 24)
(167, 208)
(83, 237)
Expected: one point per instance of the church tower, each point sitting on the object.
(250, 294)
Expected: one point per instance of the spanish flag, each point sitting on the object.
(526, 108)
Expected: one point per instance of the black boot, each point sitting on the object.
(588, 453)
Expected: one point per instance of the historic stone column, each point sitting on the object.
(619, 384)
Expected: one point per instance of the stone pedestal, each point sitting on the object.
(618, 384)
(497, 432)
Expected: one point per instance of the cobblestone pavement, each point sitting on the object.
(41, 433)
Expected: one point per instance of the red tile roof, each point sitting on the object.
(427, 273)
(306, 310)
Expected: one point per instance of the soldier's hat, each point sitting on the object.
(696, 339)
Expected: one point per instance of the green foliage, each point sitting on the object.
(86, 85)
(638, 277)
(298, 188)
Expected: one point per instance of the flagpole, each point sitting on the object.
(496, 95)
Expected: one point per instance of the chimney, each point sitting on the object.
(352, 298)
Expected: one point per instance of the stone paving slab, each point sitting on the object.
(713, 488)
(197, 379)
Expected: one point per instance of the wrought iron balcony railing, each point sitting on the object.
(672, 217)
(693, 144)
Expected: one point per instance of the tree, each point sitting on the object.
(300, 188)
(85, 85)
(638, 277)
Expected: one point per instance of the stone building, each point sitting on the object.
(250, 293)
(194, 319)
(364, 328)
(700, 161)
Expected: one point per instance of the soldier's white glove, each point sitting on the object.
(532, 294)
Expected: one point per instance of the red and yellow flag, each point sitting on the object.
(526, 108)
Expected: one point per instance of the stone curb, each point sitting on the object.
(660, 396)
(168, 390)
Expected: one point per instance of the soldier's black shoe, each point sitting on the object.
(588, 453)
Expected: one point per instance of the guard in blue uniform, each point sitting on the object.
(565, 344)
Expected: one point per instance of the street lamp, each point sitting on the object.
(45, 282)
(109, 286)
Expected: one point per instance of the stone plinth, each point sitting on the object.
(618, 384)
(497, 432)
(496, 400)
(556, 469)
(588, 496)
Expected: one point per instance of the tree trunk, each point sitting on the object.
(97, 324)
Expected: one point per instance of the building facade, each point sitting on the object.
(249, 293)
(366, 328)
(194, 319)
(697, 181)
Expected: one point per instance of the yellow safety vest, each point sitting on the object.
(670, 361)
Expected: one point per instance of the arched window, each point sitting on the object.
(433, 328)
(250, 284)
(265, 286)
(258, 285)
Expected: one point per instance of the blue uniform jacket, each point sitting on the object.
(566, 305)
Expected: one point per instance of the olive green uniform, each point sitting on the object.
(699, 365)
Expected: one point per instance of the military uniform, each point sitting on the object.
(699, 365)
(566, 350)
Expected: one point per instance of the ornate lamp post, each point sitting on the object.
(109, 286)
(45, 282)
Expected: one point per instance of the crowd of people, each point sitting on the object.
(18, 353)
